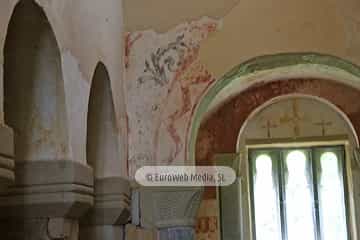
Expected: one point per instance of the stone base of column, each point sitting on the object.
(39, 228)
(110, 213)
(177, 233)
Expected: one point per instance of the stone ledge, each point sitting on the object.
(112, 203)
(53, 189)
(52, 172)
(38, 228)
(6, 141)
(7, 163)
(7, 175)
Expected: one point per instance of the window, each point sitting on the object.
(298, 193)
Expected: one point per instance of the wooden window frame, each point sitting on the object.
(310, 144)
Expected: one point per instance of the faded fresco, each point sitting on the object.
(298, 117)
(165, 80)
(292, 118)
(207, 222)
(215, 137)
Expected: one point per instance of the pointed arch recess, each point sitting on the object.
(34, 96)
(103, 153)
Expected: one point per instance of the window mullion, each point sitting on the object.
(252, 197)
(315, 178)
(282, 200)
(342, 165)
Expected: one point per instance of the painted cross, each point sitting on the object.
(295, 119)
(269, 125)
(323, 125)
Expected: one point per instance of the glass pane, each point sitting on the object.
(331, 197)
(267, 213)
(298, 193)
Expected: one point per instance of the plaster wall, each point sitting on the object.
(242, 30)
(253, 28)
(165, 15)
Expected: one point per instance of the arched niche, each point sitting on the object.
(112, 200)
(216, 137)
(320, 122)
(103, 149)
(34, 98)
(265, 69)
(317, 117)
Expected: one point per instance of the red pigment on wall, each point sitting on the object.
(219, 132)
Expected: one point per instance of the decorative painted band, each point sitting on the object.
(257, 65)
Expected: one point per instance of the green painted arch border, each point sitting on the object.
(259, 64)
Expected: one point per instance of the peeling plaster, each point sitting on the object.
(165, 71)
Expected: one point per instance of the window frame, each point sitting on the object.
(282, 145)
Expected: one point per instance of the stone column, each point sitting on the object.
(46, 201)
(172, 210)
(111, 211)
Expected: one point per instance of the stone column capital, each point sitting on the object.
(48, 189)
(166, 207)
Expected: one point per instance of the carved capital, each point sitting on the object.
(48, 189)
(165, 207)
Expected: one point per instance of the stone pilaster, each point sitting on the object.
(46, 201)
(172, 210)
(111, 211)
